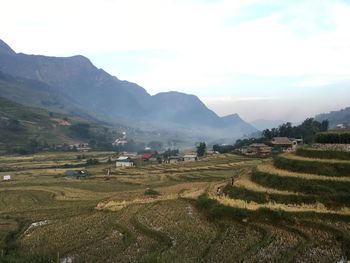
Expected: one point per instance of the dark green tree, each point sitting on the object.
(201, 149)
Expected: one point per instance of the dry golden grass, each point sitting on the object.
(317, 208)
(301, 158)
(62, 193)
(245, 182)
(124, 199)
(93, 219)
(269, 168)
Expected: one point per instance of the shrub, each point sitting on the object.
(328, 168)
(92, 162)
(315, 187)
(323, 154)
(150, 191)
(333, 137)
(330, 200)
(261, 197)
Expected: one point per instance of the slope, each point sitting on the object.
(107, 98)
(336, 117)
(26, 128)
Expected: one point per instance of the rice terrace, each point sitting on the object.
(266, 211)
(173, 131)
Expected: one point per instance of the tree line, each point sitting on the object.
(307, 131)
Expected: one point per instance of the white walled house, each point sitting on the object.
(190, 158)
(6, 178)
(124, 161)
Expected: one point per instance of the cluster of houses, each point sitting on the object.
(128, 159)
(80, 147)
(279, 144)
(121, 141)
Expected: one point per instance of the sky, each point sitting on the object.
(263, 59)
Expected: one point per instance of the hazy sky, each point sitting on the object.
(269, 59)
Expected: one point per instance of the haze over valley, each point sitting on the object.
(169, 131)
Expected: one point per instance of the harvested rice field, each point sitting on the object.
(184, 212)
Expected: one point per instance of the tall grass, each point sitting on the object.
(323, 154)
(302, 185)
(314, 166)
(331, 200)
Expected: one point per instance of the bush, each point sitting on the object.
(150, 191)
(333, 137)
(327, 168)
(313, 187)
(323, 154)
(261, 197)
(92, 162)
(330, 200)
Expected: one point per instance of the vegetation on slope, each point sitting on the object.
(28, 130)
(316, 166)
(323, 154)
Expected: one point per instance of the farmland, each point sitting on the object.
(172, 212)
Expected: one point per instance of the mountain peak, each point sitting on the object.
(234, 116)
(5, 49)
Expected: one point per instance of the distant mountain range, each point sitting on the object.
(75, 85)
(335, 117)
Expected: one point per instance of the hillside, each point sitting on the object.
(103, 96)
(336, 117)
(35, 93)
(23, 127)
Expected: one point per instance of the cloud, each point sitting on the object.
(200, 47)
(236, 99)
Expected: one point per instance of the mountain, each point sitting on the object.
(335, 117)
(5, 49)
(35, 93)
(235, 122)
(262, 124)
(74, 84)
(181, 109)
(23, 127)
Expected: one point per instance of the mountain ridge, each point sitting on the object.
(336, 117)
(110, 99)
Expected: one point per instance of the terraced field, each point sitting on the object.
(173, 212)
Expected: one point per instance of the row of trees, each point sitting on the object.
(333, 137)
(307, 130)
(223, 148)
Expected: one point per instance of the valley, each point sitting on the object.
(268, 214)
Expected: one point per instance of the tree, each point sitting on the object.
(223, 148)
(92, 162)
(14, 125)
(201, 149)
(307, 130)
(324, 125)
(155, 145)
(170, 152)
(81, 129)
